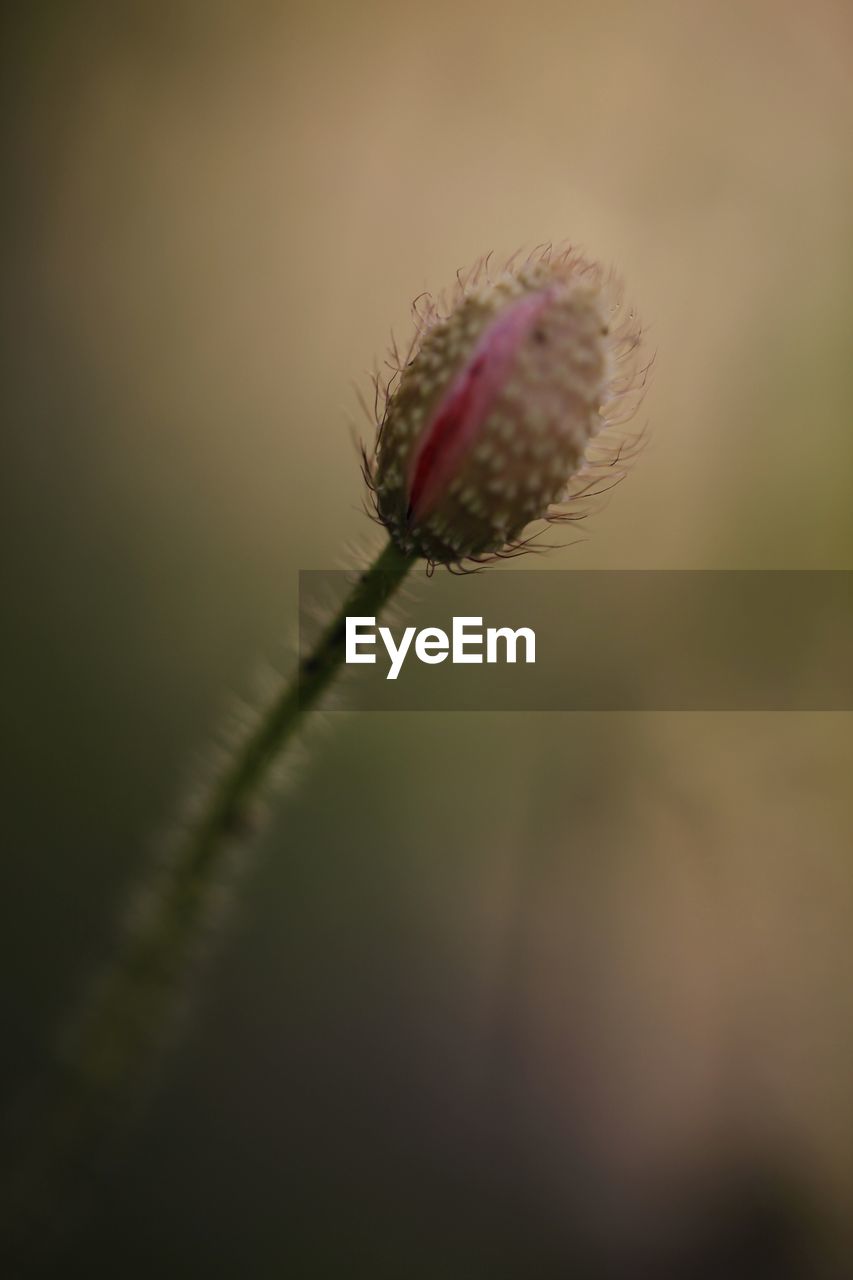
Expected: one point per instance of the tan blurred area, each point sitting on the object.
(627, 935)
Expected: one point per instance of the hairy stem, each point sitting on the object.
(126, 1018)
(228, 805)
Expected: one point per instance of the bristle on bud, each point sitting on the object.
(487, 423)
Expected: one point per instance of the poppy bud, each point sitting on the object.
(492, 414)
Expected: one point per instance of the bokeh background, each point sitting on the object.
(504, 995)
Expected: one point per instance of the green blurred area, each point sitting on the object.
(500, 988)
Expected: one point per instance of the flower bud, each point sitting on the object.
(491, 416)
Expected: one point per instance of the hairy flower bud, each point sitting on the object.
(491, 415)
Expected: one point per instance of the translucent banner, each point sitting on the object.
(609, 640)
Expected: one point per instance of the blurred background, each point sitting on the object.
(503, 995)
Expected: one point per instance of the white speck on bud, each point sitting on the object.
(506, 398)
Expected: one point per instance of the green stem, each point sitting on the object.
(227, 810)
(132, 1008)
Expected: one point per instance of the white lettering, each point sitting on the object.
(511, 638)
(431, 645)
(461, 637)
(396, 655)
(353, 640)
